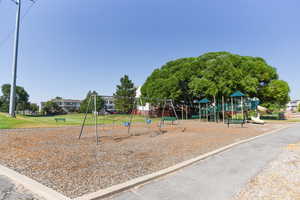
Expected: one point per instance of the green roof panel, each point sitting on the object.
(237, 94)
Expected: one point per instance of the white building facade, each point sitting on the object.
(293, 105)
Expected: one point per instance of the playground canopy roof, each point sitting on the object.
(204, 101)
(237, 94)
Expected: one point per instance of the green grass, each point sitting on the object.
(7, 123)
(71, 120)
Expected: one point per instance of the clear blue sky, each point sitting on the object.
(70, 47)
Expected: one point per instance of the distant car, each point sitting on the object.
(110, 112)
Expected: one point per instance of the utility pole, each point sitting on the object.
(12, 103)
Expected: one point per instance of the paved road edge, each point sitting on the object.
(33, 186)
(147, 178)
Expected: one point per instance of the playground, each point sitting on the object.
(82, 153)
(56, 157)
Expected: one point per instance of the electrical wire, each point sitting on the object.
(10, 34)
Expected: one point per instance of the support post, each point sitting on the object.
(186, 112)
(223, 109)
(199, 111)
(231, 107)
(215, 112)
(242, 107)
(96, 118)
(84, 119)
(131, 117)
(174, 109)
(207, 111)
(12, 100)
(162, 115)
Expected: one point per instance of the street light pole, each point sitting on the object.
(12, 102)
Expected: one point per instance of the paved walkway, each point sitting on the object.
(218, 177)
(9, 191)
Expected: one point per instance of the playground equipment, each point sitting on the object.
(168, 103)
(257, 120)
(231, 110)
(95, 117)
(237, 104)
(142, 126)
(205, 111)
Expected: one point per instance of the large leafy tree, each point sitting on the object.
(22, 98)
(217, 74)
(90, 108)
(52, 108)
(33, 107)
(124, 96)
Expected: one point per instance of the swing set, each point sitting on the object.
(166, 116)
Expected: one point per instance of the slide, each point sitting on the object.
(262, 109)
(256, 120)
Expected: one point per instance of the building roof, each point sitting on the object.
(204, 101)
(66, 100)
(237, 94)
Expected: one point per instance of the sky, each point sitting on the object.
(70, 47)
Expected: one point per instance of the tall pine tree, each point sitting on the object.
(125, 95)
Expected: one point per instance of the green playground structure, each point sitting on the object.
(237, 107)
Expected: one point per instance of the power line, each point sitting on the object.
(10, 34)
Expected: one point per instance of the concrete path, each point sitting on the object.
(9, 191)
(219, 177)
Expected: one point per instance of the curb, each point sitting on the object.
(144, 179)
(33, 186)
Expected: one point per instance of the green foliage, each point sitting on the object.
(85, 102)
(22, 98)
(217, 74)
(33, 107)
(52, 108)
(274, 95)
(299, 108)
(125, 94)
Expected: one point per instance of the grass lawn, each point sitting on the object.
(7, 123)
(71, 120)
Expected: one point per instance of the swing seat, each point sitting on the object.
(148, 121)
(195, 117)
(126, 124)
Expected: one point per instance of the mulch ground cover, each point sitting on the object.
(56, 158)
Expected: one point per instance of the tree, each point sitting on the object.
(299, 107)
(124, 96)
(33, 107)
(274, 95)
(1, 103)
(52, 108)
(217, 74)
(22, 98)
(85, 102)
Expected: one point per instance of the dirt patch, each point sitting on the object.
(280, 179)
(56, 158)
